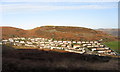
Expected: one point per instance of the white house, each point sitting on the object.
(79, 42)
(11, 40)
(16, 41)
(54, 41)
(87, 42)
(68, 41)
(83, 41)
(59, 41)
(22, 42)
(91, 42)
(75, 46)
(95, 41)
(101, 51)
(29, 42)
(93, 49)
(74, 41)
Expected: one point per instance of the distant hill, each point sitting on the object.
(114, 32)
(57, 32)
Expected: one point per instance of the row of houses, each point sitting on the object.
(93, 47)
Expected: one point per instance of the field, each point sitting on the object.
(32, 60)
(114, 45)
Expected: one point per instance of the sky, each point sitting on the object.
(28, 14)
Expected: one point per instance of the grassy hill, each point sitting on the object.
(58, 32)
(114, 45)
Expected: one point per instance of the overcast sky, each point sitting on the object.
(28, 14)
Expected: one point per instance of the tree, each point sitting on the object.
(59, 46)
(34, 44)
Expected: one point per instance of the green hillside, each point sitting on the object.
(114, 45)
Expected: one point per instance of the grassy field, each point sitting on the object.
(114, 45)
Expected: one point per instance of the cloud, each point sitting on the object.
(47, 7)
(7, 7)
(60, 0)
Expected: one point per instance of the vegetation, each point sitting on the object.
(59, 46)
(114, 45)
(41, 61)
(60, 33)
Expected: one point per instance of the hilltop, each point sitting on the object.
(57, 32)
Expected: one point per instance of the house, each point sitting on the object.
(95, 41)
(68, 41)
(84, 44)
(59, 41)
(41, 47)
(87, 41)
(0, 43)
(107, 48)
(64, 45)
(83, 41)
(32, 39)
(16, 41)
(102, 45)
(29, 42)
(52, 44)
(75, 46)
(89, 46)
(79, 42)
(100, 48)
(93, 49)
(64, 41)
(49, 40)
(54, 41)
(11, 40)
(98, 43)
(29, 38)
(42, 44)
(101, 51)
(112, 53)
(15, 38)
(68, 46)
(46, 42)
(96, 46)
(91, 42)
(22, 42)
(52, 48)
(4, 41)
(74, 42)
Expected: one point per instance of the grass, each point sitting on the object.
(114, 45)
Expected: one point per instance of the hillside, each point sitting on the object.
(49, 61)
(114, 32)
(57, 32)
(8, 32)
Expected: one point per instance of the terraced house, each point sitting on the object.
(81, 47)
